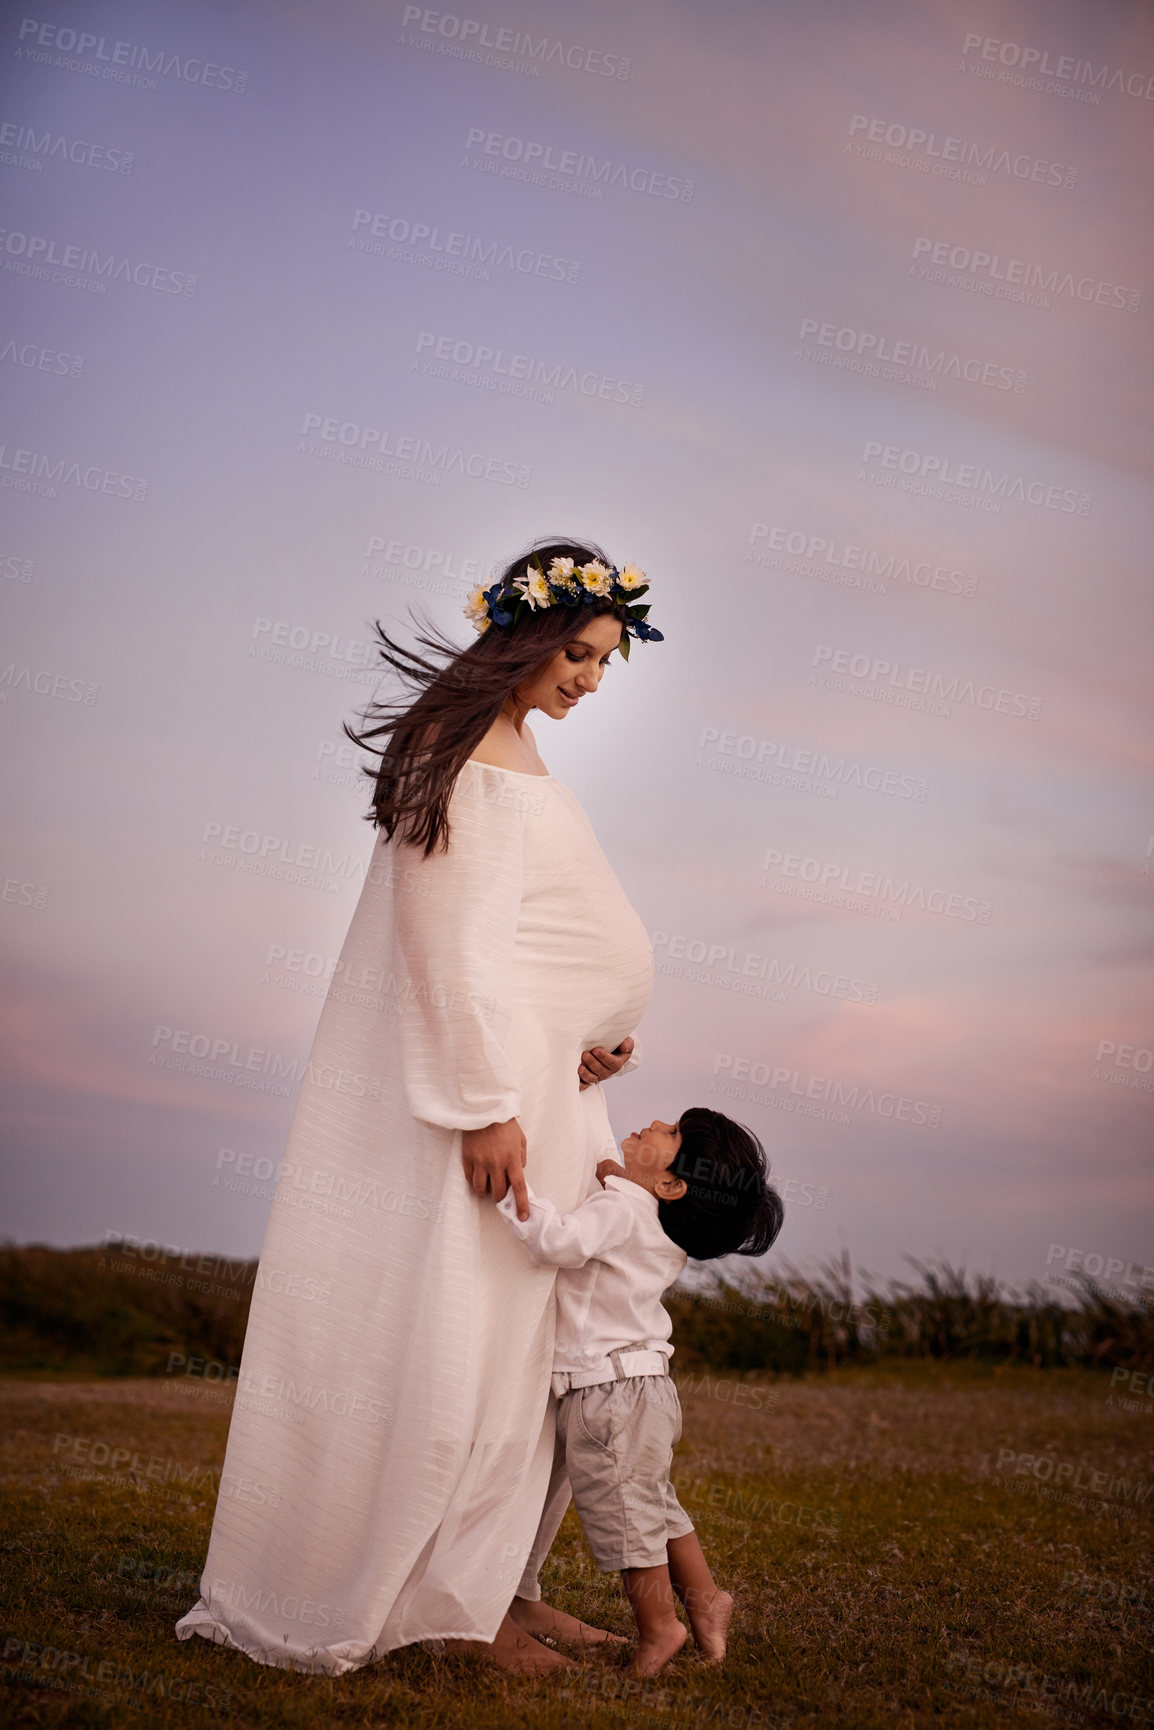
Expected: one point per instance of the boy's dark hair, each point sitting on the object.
(729, 1206)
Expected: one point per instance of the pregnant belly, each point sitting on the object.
(588, 985)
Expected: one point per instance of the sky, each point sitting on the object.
(836, 321)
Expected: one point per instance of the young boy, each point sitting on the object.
(698, 1188)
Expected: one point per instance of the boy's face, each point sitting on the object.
(648, 1155)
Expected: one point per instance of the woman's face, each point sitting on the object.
(574, 671)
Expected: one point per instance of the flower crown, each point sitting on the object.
(568, 585)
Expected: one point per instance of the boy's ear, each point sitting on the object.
(670, 1188)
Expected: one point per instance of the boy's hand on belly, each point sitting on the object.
(598, 1064)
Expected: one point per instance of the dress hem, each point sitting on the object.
(320, 1660)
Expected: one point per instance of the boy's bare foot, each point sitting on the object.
(657, 1647)
(710, 1622)
(513, 1649)
(710, 1609)
(535, 1617)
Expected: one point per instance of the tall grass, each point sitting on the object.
(791, 1323)
(92, 1312)
(75, 1311)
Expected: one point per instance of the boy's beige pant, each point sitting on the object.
(613, 1455)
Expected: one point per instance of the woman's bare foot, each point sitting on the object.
(535, 1617)
(710, 1623)
(513, 1649)
(657, 1647)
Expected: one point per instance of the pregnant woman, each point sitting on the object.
(388, 1471)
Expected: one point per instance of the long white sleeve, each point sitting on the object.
(455, 934)
(569, 1239)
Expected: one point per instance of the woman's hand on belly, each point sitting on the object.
(598, 1064)
(494, 1162)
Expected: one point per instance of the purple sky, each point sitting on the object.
(896, 285)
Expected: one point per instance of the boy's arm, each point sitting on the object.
(569, 1239)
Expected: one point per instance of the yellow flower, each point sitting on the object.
(537, 591)
(631, 577)
(561, 571)
(594, 577)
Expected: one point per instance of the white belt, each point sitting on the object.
(626, 1361)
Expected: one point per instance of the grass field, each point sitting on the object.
(909, 1544)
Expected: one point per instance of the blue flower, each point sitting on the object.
(647, 633)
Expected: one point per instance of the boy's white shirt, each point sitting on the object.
(614, 1262)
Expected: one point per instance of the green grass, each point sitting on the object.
(886, 1571)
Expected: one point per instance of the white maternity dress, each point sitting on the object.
(392, 1437)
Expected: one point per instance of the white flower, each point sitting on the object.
(561, 571)
(476, 609)
(631, 577)
(594, 577)
(537, 591)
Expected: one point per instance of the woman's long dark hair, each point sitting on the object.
(427, 740)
